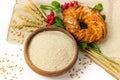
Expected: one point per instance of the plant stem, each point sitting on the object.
(111, 62)
(101, 60)
(38, 9)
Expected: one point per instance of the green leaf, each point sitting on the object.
(82, 45)
(103, 16)
(47, 7)
(43, 7)
(59, 10)
(94, 47)
(55, 7)
(99, 7)
(58, 20)
(55, 4)
(59, 25)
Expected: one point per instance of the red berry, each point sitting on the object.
(51, 22)
(75, 2)
(70, 5)
(52, 14)
(49, 17)
(48, 25)
(65, 6)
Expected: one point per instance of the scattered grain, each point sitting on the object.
(82, 72)
(5, 77)
(5, 53)
(20, 49)
(85, 55)
(23, 36)
(21, 59)
(71, 75)
(73, 69)
(2, 60)
(16, 65)
(13, 62)
(84, 58)
(78, 76)
(12, 69)
(76, 71)
(79, 69)
(17, 55)
(16, 77)
(80, 63)
(85, 67)
(84, 63)
(14, 39)
(87, 62)
(14, 34)
(13, 76)
(69, 71)
(12, 54)
(90, 62)
(8, 68)
(8, 60)
(22, 41)
(79, 59)
(11, 31)
(18, 41)
(19, 34)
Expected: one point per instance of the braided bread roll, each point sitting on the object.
(96, 27)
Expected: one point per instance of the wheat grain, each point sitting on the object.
(25, 24)
(27, 19)
(29, 10)
(38, 9)
(30, 29)
(30, 24)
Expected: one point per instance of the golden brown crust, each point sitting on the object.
(42, 72)
(96, 30)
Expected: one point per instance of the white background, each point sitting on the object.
(94, 72)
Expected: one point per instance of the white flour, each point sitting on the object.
(51, 50)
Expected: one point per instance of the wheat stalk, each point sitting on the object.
(37, 9)
(29, 10)
(110, 65)
(25, 24)
(27, 19)
(30, 29)
(28, 23)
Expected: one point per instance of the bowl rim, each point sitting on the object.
(38, 70)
